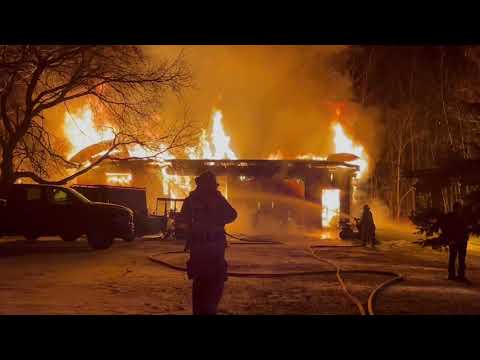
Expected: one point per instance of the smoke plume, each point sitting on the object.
(274, 98)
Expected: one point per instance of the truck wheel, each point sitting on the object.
(100, 241)
(68, 237)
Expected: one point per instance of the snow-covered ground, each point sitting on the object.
(56, 277)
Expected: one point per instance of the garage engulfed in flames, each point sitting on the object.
(324, 181)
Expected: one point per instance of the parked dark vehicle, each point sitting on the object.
(131, 197)
(44, 210)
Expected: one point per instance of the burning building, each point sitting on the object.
(326, 183)
(310, 190)
(269, 183)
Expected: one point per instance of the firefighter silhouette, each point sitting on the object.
(367, 227)
(206, 212)
(456, 229)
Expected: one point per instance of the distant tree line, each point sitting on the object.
(429, 101)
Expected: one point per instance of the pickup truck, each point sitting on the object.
(34, 210)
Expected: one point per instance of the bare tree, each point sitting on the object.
(119, 81)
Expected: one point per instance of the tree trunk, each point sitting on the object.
(397, 180)
(8, 174)
(413, 153)
(397, 192)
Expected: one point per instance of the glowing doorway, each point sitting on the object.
(330, 205)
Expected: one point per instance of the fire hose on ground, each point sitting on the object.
(338, 271)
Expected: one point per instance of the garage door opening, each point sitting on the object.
(330, 206)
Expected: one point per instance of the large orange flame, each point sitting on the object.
(213, 146)
(80, 130)
(344, 145)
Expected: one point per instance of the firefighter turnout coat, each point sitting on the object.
(205, 213)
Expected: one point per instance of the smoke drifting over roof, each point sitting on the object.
(272, 97)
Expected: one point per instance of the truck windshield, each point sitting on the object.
(79, 196)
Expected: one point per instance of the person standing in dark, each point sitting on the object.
(456, 230)
(206, 212)
(367, 227)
